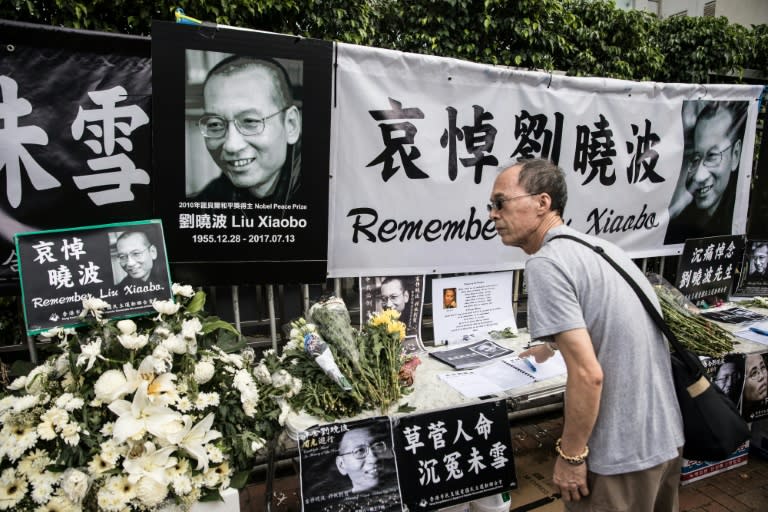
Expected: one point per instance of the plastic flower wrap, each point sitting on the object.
(316, 347)
(334, 325)
(150, 413)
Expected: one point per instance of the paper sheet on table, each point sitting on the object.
(754, 336)
(471, 385)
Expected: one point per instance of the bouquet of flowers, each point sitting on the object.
(370, 360)
(155, 413)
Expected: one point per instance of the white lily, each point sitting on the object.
(141, 416)
(194, 438)
(152, 464)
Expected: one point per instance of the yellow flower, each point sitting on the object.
(396, 328)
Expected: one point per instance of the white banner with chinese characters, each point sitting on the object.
(416, 141)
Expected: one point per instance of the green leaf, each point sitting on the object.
(197, 302)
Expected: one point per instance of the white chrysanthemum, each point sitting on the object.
(133, 341)
(183, 290)
(191, 327)
(175, 344)
(110, 386)
(25, 402)
(16, 439)
(261, 373)
(184, 404)
(293, 345)
(56, 416)
(111, 451)
(69, 402)
(282, 378)
(215, 455)
(70, 433)
(116, 493)
(107, 428)
(74, 485)
(33, 463)
(162, 331)
(258, 444)
(163, 359)
(244, 383)
(165, 307)
(18, 383)
(205, 400)
(204, 371)
(98, 465)
(181, 484)
(93, 306)
(126, 326)
(233, 359)
(55, 332)
(151, 492)
(90, 352)
(59, 502)
(43, 485)
(12, 490)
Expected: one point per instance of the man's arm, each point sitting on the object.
(584, 386)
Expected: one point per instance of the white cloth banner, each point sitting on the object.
(416, 141)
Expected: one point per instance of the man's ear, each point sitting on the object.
(153, 252)
(544, 201)
(292, 123)
(735, 155)
(340, 465)
(406, 295)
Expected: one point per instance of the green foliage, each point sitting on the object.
(611, 42)
(694, 47)
(579, 37)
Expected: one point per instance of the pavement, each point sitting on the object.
(737, 489)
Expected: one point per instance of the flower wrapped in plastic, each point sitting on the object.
(316, 347)
(334, 324)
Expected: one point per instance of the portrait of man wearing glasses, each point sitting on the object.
(366, 459)
(137, 257)
(251, 127)
(704, 198)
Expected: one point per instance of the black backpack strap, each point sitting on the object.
(655, 315)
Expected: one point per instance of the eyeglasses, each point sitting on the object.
(362, 451)
(247, 123)
(134, 255)
(498, 203)
(390, 298)
(711, 160)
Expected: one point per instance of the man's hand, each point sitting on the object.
(540, 352)
(572, 480)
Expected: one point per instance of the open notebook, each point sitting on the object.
(507, 373)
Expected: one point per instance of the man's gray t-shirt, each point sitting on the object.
(570, 286)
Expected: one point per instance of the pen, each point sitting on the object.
(530, 364)
(758, 330)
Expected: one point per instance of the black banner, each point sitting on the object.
(708, 266)
(454, 455)
(122, 264)
(244, 190)
(75, 132)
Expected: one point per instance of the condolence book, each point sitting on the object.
(508, 373)
(472, 355)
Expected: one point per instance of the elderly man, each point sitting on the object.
(703, 205)
(136, 256)
(394, 294)
(622, 432)
(359, 458)
(251, 129)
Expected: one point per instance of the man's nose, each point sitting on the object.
(701, 173)
(233, 140)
